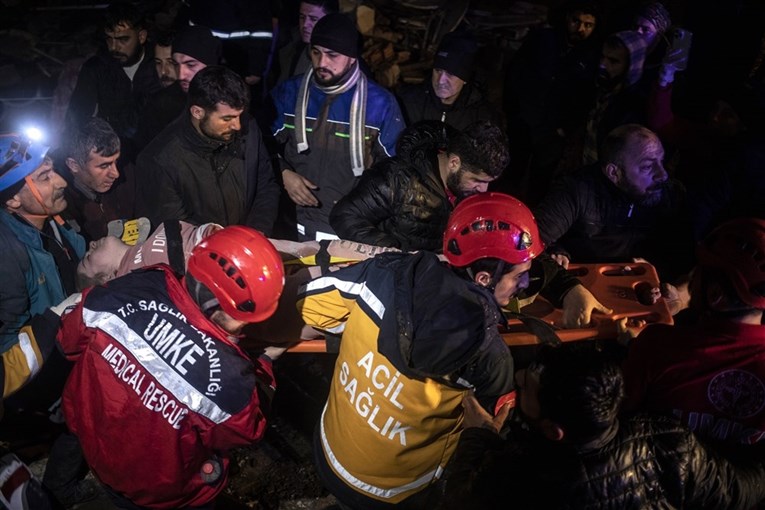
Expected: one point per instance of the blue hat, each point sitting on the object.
(19, 157)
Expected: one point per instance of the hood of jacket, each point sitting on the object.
(636, 47)
(439, 320)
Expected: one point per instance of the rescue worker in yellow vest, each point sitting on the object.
(417, 335)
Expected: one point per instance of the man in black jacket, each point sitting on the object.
(405, 201)
(451, 95)
(204, 168)
(115, 84)
(622, 208)
(578, 454)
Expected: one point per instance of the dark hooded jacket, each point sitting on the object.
(400, 202)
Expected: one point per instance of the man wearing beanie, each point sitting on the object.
(332, 124)
(450, 96)
(193, 49)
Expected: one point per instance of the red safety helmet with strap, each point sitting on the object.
(737, 247)
(491, 225)
(242, 269)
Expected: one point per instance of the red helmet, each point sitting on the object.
(491, 225)
(242, 269)
(737, 247)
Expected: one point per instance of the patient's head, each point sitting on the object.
(101, 262)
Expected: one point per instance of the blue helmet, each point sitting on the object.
(19, 157)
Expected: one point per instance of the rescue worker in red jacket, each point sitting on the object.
(160, 390)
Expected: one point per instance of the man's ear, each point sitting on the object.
(197, 112)
(454, 163)
(13, 203)
(612, 172)
(142, 36)
(482, 278)
(551, 430)
(73, 165)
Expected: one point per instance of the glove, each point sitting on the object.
(674, 60)
(67, 305)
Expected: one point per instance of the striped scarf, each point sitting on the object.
(358, 112)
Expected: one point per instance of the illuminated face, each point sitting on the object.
(463, 183)
(102, 260)
(579, 26)
(308, 17)
(100, 172)
(163, 62)
(125, 44)
(186, 68)
(329, 66)
(647, 29)
(641, 172)
(512, 283)
(222, 123)
(50, 188)
(446, 86)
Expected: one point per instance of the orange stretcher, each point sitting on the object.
(614, 285)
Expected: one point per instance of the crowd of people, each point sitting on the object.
(227, 187)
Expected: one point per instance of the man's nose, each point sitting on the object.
(113, 171)
(482, 187)
(236, 124)
(660, 173)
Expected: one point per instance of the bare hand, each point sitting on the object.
(476, 416)
(299, 189)
(677, 298)
(627, 329)
(578, 305)
(561, 259)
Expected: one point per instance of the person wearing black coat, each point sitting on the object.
(405, 201)
(574, 451)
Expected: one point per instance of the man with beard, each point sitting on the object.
(204, 168)
(114, 85)
(621, 208)
(404, 201)
(619, 99)
(331, 123)
(573, 450)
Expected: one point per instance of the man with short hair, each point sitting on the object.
(295, 56)
(115, 85)
(40, 252)
(163, 59)
(708, 371)
(332, 124)
(157, 354)
(573, 450)
(204, 168)
(97, 191)
(622, 208)
(404, 201)
(193, 49)
(416, 336)
(450, 95)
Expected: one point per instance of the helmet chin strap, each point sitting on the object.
(39, 198)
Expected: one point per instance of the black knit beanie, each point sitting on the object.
(456, 55)
(198, 43)
(336, 32)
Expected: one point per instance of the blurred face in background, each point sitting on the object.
(163, 62)
(308, 17)
(186, 68)
(579, 26)
(125, 44)
(446, 86)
